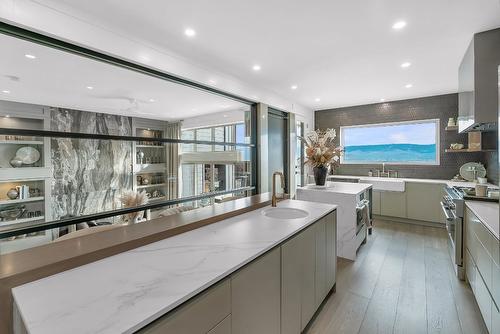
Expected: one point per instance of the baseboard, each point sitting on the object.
(409, 221)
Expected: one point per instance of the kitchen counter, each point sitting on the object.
(379, 180)
(488, 213)
(125, 292)
(340, 187)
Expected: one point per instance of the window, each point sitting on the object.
(223, 167)
(414, 142)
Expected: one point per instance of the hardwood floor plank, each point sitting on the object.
(348, 319)
(442, 316)
(364, 281)
(381, 313)
(411, 314)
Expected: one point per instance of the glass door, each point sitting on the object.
(278, 145)
(299, 155)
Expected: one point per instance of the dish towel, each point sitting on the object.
(366, 215)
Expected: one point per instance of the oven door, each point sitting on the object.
(361, 216)
(454, 229)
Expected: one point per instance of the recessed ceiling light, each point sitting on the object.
(256, 67)
(225, 116)
(317, 99)
(294, 87)
(382, 100)
(152, 100)
(6, 91)
(399, 25)
(189, 32)
(29, 56)
(90, 87)
(406, 64)
(409, 85)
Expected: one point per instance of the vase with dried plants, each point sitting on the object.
(132, 198)
(321, 153)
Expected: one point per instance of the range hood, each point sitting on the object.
(478, 83)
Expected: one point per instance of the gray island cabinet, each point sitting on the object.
(279, 292)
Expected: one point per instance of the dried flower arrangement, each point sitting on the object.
(321, 150)
(132, 198)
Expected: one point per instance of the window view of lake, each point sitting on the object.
(412, 142)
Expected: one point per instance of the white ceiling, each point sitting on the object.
(60, 79)
(343, 52)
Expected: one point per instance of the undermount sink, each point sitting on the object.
(285, 213)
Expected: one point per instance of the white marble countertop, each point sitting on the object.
(403, 179)
(338, 187)
(488, 213)
(125, 292)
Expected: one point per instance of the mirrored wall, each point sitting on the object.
(89, 143)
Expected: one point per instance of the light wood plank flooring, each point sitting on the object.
(402, 282)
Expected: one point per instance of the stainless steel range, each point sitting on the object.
(453, 205)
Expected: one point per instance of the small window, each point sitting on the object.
(410, 143)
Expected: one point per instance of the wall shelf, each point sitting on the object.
(466, 150)
(26, 200)
(22, 142)
(150, 168)
(451, 128)
(150, 146)
(21, 220)
(151, 185)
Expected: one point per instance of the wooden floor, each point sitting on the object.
(401, 282)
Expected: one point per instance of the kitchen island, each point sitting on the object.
(125, 292)
(349, 197)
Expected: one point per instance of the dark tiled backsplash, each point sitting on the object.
(442, 107)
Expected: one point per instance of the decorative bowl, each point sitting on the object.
(456, 146)
(11, 213)
(16, 162)
(12, 193)
(28, 155)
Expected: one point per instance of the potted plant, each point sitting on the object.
(321, 152)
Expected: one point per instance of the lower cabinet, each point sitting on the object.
(256, 297)
(393, 204)
(298, 281)
(224, 327)
(331, 250)
(277, 293)
(376, 202)
(495, 319)
(207, 310)
(419, 201)
(423, 201)
(320, 287)
(308, 263)
(482, 270)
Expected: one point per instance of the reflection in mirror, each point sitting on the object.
(50, 178)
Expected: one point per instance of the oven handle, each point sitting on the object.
(447, 212)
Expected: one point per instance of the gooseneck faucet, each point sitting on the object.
(282, 179)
